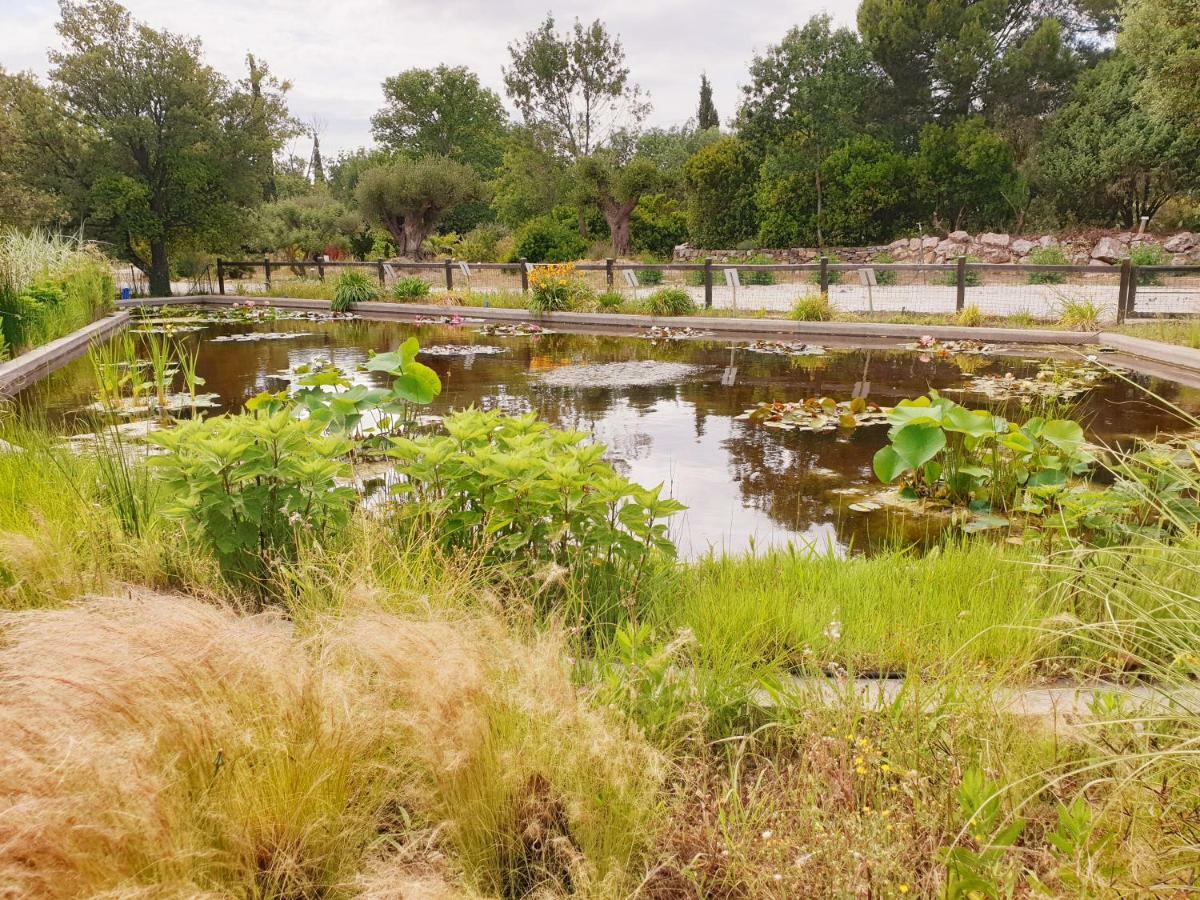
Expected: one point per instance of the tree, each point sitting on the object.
(1164, 36)
(706, 114)
(950, 59)
(33, 149)
(967, 177)
(532, 181)
(1105, 158)
(819, 83)
(720, 181)
(408, 197)
(305, 227)
(176, 154)
(442, 112)
(615, 187)
(868, 193)
(573, 90)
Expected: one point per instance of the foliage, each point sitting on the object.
(1081, 315)
(412, 287)
(610, 300)
(706, 112)
(648, 277)
(942, 450)
(1162, 36)
(757, 276)
(884, 277)
(555, 287)
(1047, 256)
(615, 186)
(573, 90)
(531, 182)
(1106, 159)
(813, 308)
(254, 487)
(443, 111)
(970, 316)
(305, 227)
(547, 240)
(658, 224)
(483, 243)
(1147, 255)
(408, 197)
(720, 181)
(966, 175)
(520, 491)
(670, 301)
(179, 153)
(30, 194)
(352, 287)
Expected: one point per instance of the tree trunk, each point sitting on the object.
(415, 232)
(617, 216)
(160, 270)
(395, 228)
(583, 229)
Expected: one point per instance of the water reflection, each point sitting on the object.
(743, 484)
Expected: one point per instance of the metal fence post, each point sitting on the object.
(382, 273)
(1123, 292)
(608, 271)
(708, 282)
(221, 275)
(448, 264)
(524, 275)
(1131, 290)
(960, 284)
(267, 270)
(824, 278)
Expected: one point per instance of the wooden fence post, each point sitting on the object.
(221, 275)
(608, 272)
(382, 273)
(1131, 290)
(824, 277)
(524, 275)
(708, 282)
(1123, 292)
(267, 270)
(449, 266)
(320, 268)
(960, 284)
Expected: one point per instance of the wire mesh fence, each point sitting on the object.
(1099, 293)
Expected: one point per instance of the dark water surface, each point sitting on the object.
(744, 485)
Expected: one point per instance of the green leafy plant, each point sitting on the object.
(884, 277)
(610, 300)
(554, 288)
(975, 869)
(833, 277)
(412, 287)
(547, 240)
(1080, 315)
(950, 278)
(521, 492)
(757, 276)
(670, 301)
(939, 449)
(970, 316)
(1148, 255)
(1048, 256)
(812, 308)
(254, 487)
(352, 287)
(648, 277)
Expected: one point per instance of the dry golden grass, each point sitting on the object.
(157, 745)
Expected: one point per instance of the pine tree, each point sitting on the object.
(706, 116)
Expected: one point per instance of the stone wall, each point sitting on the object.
(1097, 249)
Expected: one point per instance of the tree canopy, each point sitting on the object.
(409, 197)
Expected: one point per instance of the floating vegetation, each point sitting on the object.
(665, 333)
(941, 348)
(1053, 381)
(149, 404)
(254, 336)
(620, 374)
(463, 350)
(455, 319)
(163, 327)
(517, 329)
(785, 348)
(817, 414)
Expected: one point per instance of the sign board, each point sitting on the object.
(630, 278)
(465, 269)
(867, 277)
(528, 267)
(731, 278)
(389, 271)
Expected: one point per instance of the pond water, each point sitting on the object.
(667, 411)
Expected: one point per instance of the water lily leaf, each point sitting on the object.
(984, 523)
(1063, 434)
(888, 465)
(916, 444)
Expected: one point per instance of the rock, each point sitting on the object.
(930, 242)
(995, 240)
(960, 237)
(901, 244)
(1182, 242)
(951, 248)
(1022, 247)
(1098, 262)
(1109, 250)
(914, 243)
(1046, 240)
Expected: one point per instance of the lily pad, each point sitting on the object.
(255, 336)
(816, 414)
(785, 348)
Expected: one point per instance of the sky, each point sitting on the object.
(336, 53)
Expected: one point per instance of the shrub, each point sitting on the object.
(658, 224)
(648, 277)
(833, 276)
(1048, 256)
(1081, 315)
(610, 300)
(759, 276)
(884, 277)
(352, 287)
(555, 288)
(813, 308)
(412, 287)
(969, 316)
(523, 493)
(545, 239)
(1148, 255)
(481, 244)
(254, 486)
(670, 301)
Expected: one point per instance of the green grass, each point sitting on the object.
(1184, 332)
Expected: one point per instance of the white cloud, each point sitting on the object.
(336, 54)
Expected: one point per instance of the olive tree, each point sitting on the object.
(409, 196)
(615, 187)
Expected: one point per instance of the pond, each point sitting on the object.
(667, 409)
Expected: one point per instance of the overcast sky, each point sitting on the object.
(337, 52)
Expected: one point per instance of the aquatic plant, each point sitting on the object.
(352, 287)
(412, 287)
(816, 414)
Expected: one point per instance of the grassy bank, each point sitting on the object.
(1184, 332)
(50, 285)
